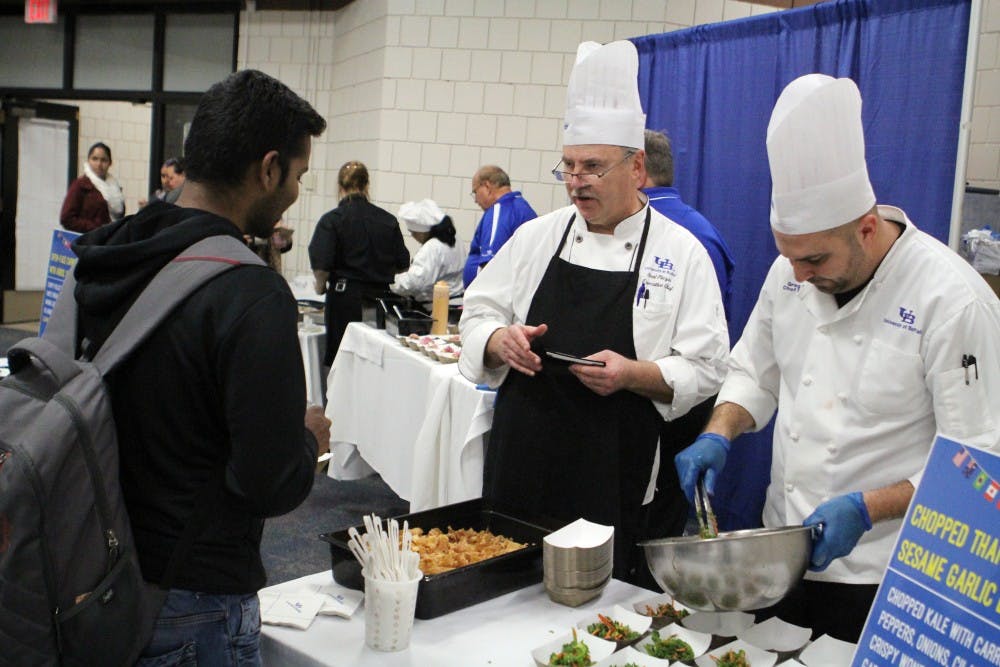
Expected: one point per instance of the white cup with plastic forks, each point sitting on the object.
(389, 611)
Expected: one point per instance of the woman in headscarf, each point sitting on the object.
(95, 198)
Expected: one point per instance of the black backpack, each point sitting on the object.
(71, 591)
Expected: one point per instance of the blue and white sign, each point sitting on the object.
(61, 261)
(939, 602)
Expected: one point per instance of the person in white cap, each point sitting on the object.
(609, 280)
(439, 257)
(861, 339)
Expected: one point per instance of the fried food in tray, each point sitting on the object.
(462, 586)
(442, 551)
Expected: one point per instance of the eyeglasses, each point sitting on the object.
(475, 190)
(565, 176)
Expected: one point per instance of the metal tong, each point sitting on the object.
(708, 526)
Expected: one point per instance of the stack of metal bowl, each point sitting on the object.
(574, 575)
(737, 571)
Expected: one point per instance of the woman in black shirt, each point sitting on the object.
(356, 251)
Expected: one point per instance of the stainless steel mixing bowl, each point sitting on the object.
(736, 571)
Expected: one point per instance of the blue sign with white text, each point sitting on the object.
(61, 261)
(939, 602)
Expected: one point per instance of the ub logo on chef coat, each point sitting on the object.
(907, 321)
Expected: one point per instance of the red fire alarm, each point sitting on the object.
(40, 11)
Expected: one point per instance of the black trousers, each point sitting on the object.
(838, 610)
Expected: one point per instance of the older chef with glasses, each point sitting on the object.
(598, 322)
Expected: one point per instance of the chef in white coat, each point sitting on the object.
(861, 338)
(611, 280)
(440, 258)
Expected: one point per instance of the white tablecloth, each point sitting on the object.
(414, 420)
(497, 633)
(312, 341)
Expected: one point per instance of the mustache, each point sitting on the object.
(579, 192)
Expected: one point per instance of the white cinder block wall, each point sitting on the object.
(984, 150)
(425, 91)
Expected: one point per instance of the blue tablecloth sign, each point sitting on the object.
(939, 602)
(61, 261)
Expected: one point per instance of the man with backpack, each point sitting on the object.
(209, 409)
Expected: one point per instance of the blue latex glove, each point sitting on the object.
(707, 453)
(844, 520)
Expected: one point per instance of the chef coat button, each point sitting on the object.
(842, 395)
(807, 380)
(858, 339)
(794, 436)
(579, 239)
(832, 448)
(628, 245)
(789, 488)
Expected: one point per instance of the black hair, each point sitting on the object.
(239, 120)
(444, 231)
(176, 163)
(100, 144)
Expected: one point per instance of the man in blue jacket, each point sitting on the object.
(504, 211)
(664, 198)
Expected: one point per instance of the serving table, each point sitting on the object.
(496, 633)
(414, 420)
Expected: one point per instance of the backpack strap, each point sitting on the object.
(172, 285)
(60, 329)
(55, 360)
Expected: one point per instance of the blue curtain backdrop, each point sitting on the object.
(712, 88)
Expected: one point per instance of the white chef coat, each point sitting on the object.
(434, 261)
(862, 390)
(681, 326)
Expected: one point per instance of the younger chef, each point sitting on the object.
(439, 257)
(606, 278)
(857, 339)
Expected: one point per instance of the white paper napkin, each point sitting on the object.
(296, 609)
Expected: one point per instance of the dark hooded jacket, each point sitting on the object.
(216, 392)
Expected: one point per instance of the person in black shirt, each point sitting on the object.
(356, 251)
(213, 430)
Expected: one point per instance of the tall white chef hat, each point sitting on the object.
(602, 100)
(420, 216)
(816, 150)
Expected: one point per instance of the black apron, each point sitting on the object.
(557, 449)
(344, 305)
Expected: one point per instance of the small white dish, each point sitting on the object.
(721, 623)
(654, 603)
(698, 641)
(629, 655)
(636, 622)
(755, 656)
(827, 651)
(599, 648)
(775, 634)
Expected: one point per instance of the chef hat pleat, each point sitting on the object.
(816, 152)
(602, 99)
